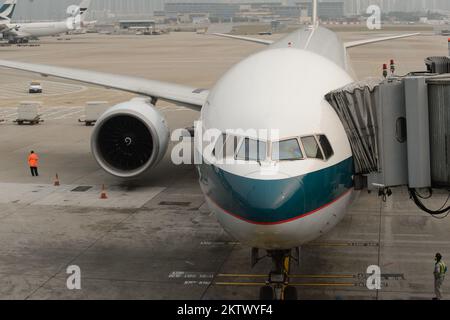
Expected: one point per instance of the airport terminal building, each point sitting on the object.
(215, 10)
(133, 24)
(327, 10)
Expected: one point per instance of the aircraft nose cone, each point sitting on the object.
(254, 200)
(259, 200)
(268, 196)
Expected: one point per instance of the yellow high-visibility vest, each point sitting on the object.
(442, 267)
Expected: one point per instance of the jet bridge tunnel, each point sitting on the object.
(399, 131)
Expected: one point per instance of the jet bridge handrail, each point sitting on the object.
(356, 105)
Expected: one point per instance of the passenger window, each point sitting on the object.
(252, 150)
(287, 150)
(326, 146)
(312, 149)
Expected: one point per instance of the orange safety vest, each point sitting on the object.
(33, 160)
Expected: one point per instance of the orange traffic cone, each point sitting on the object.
(56, 184)
(103, 196)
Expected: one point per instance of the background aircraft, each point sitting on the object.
(281, 88)
(6, 12)
(22, 32)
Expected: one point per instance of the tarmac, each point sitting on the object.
(154, 237)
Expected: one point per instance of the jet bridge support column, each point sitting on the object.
(418, 128)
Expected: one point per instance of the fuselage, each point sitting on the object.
(40, 29)
(279, 200)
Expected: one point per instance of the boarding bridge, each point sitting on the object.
(399, 129)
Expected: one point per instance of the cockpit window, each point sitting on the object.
(312, 149)
(252, 150)
(326, 146)
(287, 150)
(219, 148)
(226, 146)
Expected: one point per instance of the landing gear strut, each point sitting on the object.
(277, 285)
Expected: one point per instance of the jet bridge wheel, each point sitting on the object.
(266, 293)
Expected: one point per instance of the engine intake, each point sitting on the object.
(130, 138)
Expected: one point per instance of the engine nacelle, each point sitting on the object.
(130, 138)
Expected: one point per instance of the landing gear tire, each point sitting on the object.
(290, 293)
(266, 293)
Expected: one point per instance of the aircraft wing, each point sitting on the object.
(190, 97)
(255, 40)
(375, 40)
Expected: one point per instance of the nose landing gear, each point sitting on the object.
(277, 286)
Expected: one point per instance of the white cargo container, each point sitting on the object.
(29, 112)
(93, 111)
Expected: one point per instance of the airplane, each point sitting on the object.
(7, 9)
(281, 88)
(82, 9)
(74, 10)
(6, 12)
(22, 32)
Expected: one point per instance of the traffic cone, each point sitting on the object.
(56, 184)
(103, 196)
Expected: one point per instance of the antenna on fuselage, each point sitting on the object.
(315, 13)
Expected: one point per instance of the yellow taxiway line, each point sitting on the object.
(257, 284)
(293, 276)
(323, 276)
(242, 284)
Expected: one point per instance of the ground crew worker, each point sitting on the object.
(440, 269)
(33, 161)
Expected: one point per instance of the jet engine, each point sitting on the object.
(130, 138)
